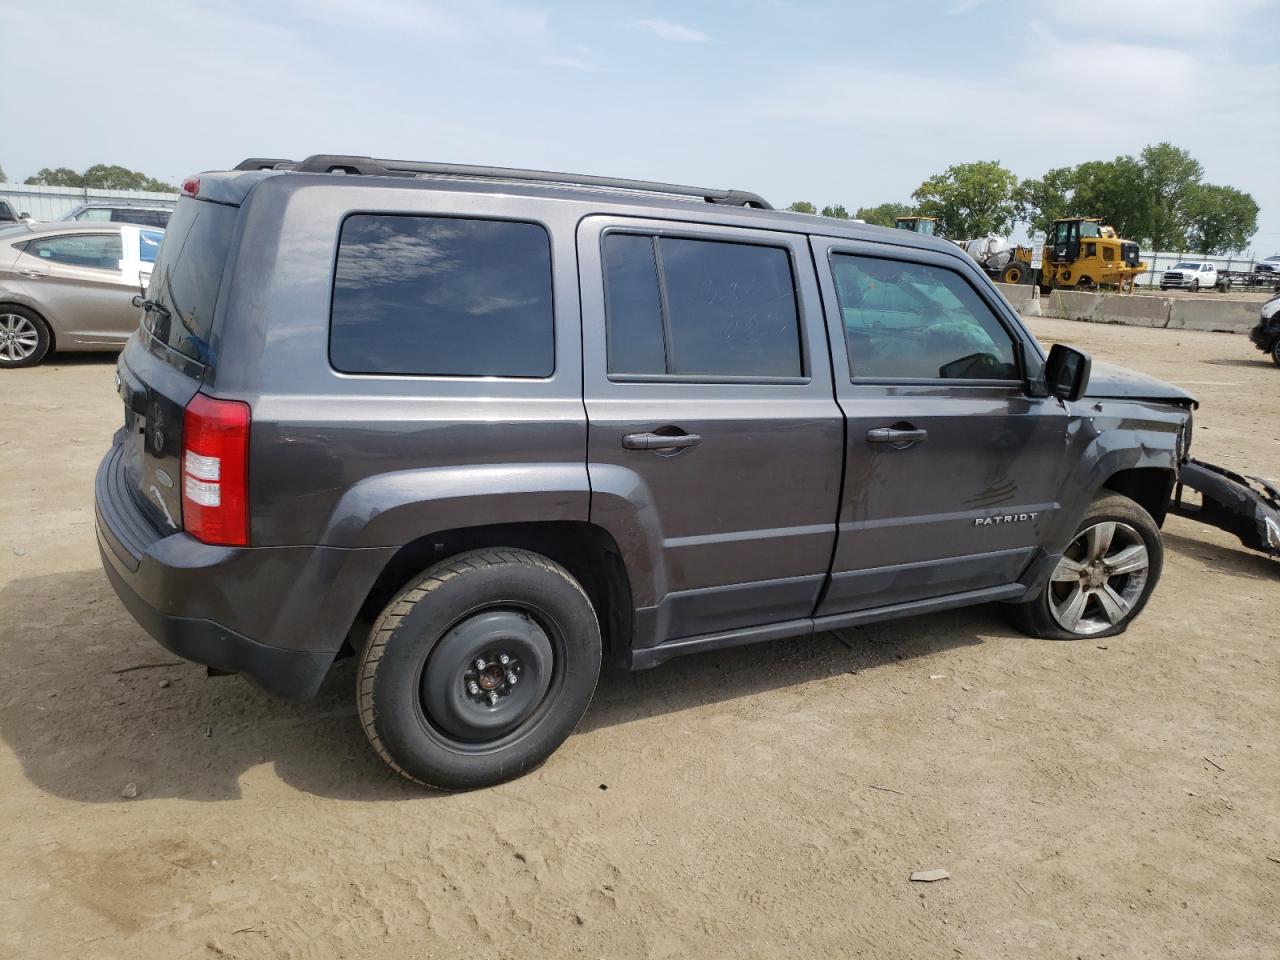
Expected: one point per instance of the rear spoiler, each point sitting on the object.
(1248, 507)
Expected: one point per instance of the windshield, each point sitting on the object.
(1186, 265)
(188, 271)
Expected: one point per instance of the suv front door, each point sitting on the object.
(952, 473)
(714, 439)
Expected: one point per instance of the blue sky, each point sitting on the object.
(852, 103)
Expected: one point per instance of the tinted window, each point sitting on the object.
(147, 218)
(149, 245)
(633, 306)
(442, 296)
(719, 309)
(908, 320)
(98, 251)
(188, 271)
(6, 213)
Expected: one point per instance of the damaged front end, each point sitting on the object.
(1245, 506)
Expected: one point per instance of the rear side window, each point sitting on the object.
(97, 251)
(147, 218)
(442, 296)
(689, 307)
(149, 245)
(918, 322)
(94, 215)
(187, 274)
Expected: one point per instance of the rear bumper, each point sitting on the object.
(277, 615)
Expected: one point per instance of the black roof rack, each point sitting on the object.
(368, 166)
(263, 163)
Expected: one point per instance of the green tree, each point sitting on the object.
(3, 178)
(969, 199)
(101, 176)
(838, 212)
(1040, 202)
(1114, 190)
(1170, 176)
(884, 214)
(802, 206)
(57, 177)
(1219, 219)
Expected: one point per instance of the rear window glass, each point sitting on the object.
(188, 272)
(97, 251)
(699, 308)
(442, 296)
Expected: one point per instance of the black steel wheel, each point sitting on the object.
(479, 669)
(1275, 351)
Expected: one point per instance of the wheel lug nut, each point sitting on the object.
(493, 698)
(480, 663)
(511, 678)
(473, 688)
(503, 659)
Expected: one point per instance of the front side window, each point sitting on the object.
(915, 321)
(442, 296)
(699, 308)
(97, 251)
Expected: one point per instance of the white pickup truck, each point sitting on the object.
(1190, 275)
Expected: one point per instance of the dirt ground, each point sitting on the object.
(1113, 799)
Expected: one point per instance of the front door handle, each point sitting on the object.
(32, 274)
(660, 441)
(898, 437)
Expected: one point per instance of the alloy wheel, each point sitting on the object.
(19, 337)
(1099, 579)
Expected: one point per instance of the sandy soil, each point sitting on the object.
(1114, 799)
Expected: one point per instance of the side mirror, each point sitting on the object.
(24, 215)
(1066, 372)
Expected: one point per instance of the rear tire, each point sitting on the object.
(479, 669)
(25, 337)
(1104, 579)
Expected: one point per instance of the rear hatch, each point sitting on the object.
(164, 363)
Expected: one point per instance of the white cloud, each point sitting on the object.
(670, 30)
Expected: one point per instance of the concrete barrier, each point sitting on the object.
(1219, 316)
(1207, 313)
(1018, 294)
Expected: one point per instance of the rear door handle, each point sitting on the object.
(32, 274)
(899, 437)
(660, 441)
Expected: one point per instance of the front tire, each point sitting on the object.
(1275, 351)
(1195, 286)
(479, 669)
(25, 337)
(1104, 578)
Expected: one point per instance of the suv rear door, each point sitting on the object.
(953, 474)
(712, 338)
(163, 364)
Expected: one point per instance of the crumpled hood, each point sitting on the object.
(1111, 382)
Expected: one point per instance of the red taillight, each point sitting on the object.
(215, 471)
(191, 185)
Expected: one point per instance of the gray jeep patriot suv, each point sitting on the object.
(486, 428)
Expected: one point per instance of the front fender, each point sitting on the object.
(1113, 436)
(392, 509)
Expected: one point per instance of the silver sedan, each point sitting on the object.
(70, 286)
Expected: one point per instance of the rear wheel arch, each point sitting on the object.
(585, 550)
(53, 334)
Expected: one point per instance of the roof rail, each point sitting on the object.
(263, 163)
(368, 166)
